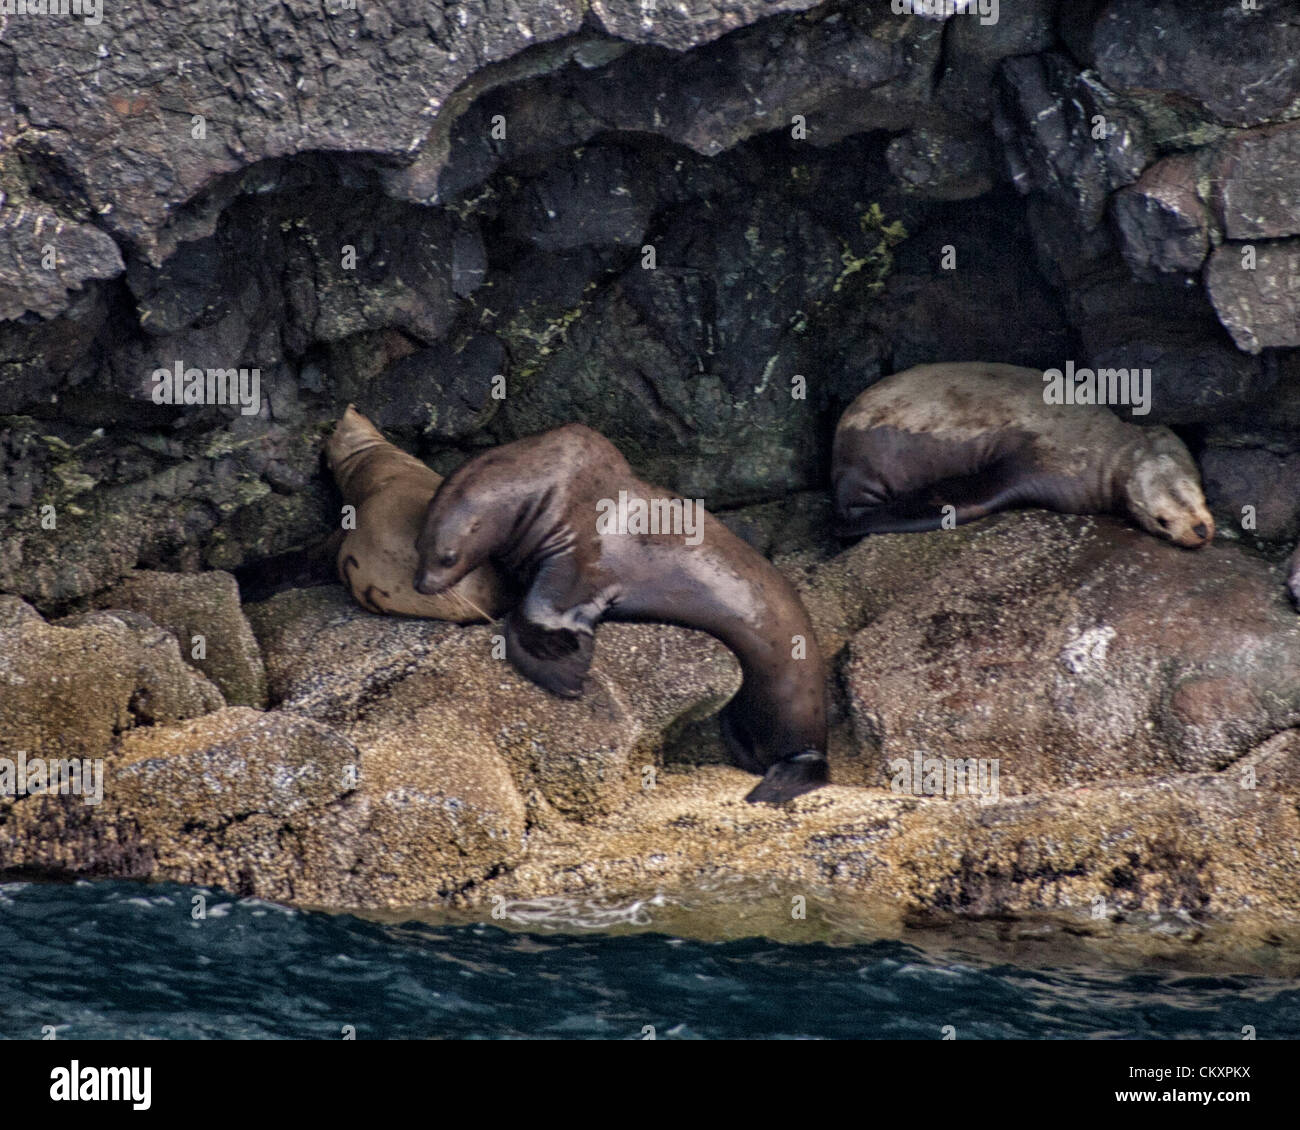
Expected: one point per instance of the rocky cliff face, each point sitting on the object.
(480, 220)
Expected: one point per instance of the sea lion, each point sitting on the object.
(1293, 576)
(542, 508)
(376, 561)
(979, 437)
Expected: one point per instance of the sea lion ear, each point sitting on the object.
(556, 659)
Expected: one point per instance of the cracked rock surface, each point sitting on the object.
(402, 763)
(703, 231)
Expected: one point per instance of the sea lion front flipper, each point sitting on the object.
(998, 486)
(791, 777)
(556, 659)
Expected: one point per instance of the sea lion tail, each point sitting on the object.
(791, 777)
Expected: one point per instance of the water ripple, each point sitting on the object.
(116, 960)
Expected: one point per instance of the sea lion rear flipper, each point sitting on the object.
(791, 777)
(996, 487)
(557, 660)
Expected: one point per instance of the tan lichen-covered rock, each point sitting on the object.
(1074, 651)
(236, 762)
(237, 799)
(192, 605)
(441, 810)
(399, 684)
(67, 688)
(1140, 701)
(282, 806)
(407, 765)
(325, 656)
(1200, 843)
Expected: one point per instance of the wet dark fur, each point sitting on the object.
(531, 507)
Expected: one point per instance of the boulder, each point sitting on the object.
(1076, 651)
(1255, 489)
(1256, 182)
(1065, 136)
(202, 611)
(414, 692)
(1253, 289)
(1162, 220)
(1164, 325)
(1204, 51)
(279, 806)
(238, 799)
(70, 687)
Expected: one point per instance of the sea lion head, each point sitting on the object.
(1163, 492)
(352, 435)
(508, 502)
(466, 522)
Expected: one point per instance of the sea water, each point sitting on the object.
(129, 961)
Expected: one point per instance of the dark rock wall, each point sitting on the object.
(654, 219)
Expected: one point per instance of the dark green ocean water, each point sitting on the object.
(119, 960)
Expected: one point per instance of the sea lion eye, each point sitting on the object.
(1164, 523)
(448, 559)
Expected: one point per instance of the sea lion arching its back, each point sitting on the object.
(535, 507)
(979, 437)
(376, 561)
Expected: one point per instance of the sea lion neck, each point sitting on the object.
(375, 462)
(537, 509)
(537, 529)
(1119, 468)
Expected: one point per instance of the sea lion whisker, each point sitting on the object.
(466, 600)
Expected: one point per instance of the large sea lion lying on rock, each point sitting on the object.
(376, 561)
(560, 511)
(979, 437)
(1293, 576)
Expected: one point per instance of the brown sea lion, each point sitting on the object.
(1293, 575)
(376, 561)
(979, 437)
(547, 510)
